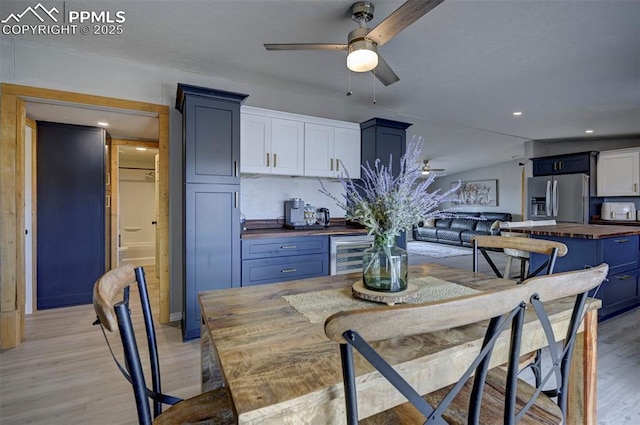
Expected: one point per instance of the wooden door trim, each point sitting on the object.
(12, 122)
(34, 208)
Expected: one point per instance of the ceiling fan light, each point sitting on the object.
(362, 56)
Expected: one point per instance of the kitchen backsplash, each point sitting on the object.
(262, 197)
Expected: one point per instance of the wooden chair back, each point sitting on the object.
(550, 249)
(504, 308)
(111, 304)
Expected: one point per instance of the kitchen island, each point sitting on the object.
(590, 245)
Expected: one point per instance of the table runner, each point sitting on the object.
(318, 306)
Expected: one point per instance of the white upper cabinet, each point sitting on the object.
(273, 142)
(329, 149)
(271, 145)
(318, 150)
(619, 173)
(346, 150)
(287, 147)
(255, 144)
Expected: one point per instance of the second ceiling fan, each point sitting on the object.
(362, 43)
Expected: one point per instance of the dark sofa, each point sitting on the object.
(461, 228)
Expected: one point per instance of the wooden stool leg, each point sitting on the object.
(507, 268)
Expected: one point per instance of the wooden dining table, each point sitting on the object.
(282, 369)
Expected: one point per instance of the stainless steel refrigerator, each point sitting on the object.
(562, 198)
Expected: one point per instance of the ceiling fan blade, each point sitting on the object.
(305, 46)
(384, 73)
(403, 16)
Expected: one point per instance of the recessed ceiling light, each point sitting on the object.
(517, 113)
(141, 149)
(588, 131)
(103, 124)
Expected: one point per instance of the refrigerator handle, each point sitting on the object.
(547, 199)
(555, 198)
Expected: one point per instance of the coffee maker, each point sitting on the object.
(295, 217)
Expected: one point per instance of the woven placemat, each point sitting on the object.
(317, 306)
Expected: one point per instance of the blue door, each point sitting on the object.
(70, 213)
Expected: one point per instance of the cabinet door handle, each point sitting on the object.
(635, 187)
(108, 179)
(621, 240)
(560, 166)
(288, 247)
(337, 164)
(267, 159)
(235, 168)
(288, 271)
(107, 201)
(555, 165)
(275, 160)
(236, 199)
(331, 166)
(623, 277)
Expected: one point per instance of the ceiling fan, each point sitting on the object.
(426, 168)
(362, 43)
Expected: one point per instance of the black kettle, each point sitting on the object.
(324, 218)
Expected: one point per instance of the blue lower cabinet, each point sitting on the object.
(621, 290)
(619, 293)
(281, 269)
(271, 260)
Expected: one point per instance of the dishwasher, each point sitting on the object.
(346, 253)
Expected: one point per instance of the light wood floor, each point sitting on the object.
(63, 372)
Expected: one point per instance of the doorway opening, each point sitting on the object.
(136, 206)
(16, 260)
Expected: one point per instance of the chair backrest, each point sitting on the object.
(111, 303)
(504, 231)
(356, 329)
(550, 249)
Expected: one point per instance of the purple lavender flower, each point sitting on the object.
(385, 204)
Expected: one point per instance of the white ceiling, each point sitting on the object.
(121, 125)
(568, 65)
(131, 154)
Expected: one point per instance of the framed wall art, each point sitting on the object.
(478, 192)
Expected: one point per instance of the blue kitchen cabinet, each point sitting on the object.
(271, 260)
(584, 162)
(384, 139)
(211, 201)
(621, 290)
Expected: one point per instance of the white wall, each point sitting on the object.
(262, 197)
(509, 176)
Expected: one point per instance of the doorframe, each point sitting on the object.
(12, 202)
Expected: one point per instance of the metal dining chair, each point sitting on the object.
(514, 254)
(550, 249)
(480, 396)
(112, 306)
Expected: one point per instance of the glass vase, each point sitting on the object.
(384, 266)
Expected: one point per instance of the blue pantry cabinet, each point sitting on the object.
(211, 195)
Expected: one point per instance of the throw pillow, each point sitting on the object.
(429, 222)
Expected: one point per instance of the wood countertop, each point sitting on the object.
(584, 231)
(283, 232)
(615, 223)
